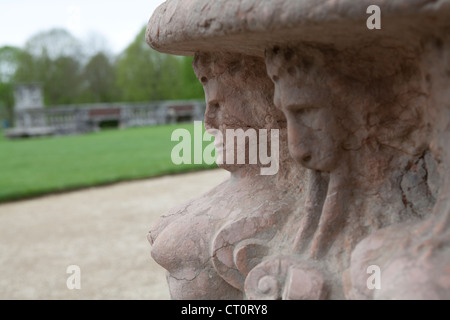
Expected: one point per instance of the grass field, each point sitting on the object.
(31, 167)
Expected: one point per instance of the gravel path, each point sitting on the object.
(102, 230)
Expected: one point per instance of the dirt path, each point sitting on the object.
(102, 230)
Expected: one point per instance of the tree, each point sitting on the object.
(9, 60)
(63, 82)
(136, 73)
(99, 77)
(95, 43)
(53, 58)
(191, 86)
(55, 43)
(144, 74)
(6, 101)
(31, 68)
(61, 63)
(60, 78)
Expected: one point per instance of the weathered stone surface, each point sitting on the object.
(364, 119)
(251, 26)
(210, 244)
(287, 278)
(415, 256)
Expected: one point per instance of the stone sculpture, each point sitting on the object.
(227, 231)
(365, 115)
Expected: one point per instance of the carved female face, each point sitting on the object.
(335, 104)
(302, 92)
(238, 95)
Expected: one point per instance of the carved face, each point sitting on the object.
(224, 110)
(238, 96)
(311, 139)
(302, 92)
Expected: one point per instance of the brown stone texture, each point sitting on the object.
(209, 244)
(364, 129)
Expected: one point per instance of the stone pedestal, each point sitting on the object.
(359, 208)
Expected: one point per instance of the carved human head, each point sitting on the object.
(304, 92)
(340, 101)
(238, 93)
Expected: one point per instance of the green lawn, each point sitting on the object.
(30, 167)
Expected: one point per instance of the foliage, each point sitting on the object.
(99, 75)
(6, 102)
(9, 60)
(192, 88)
(144, 74)
(54, 43)
(71, 72)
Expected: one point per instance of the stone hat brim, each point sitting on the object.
(183, 27)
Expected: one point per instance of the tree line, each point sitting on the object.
(72, 72)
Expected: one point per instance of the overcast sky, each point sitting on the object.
(118, 21)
